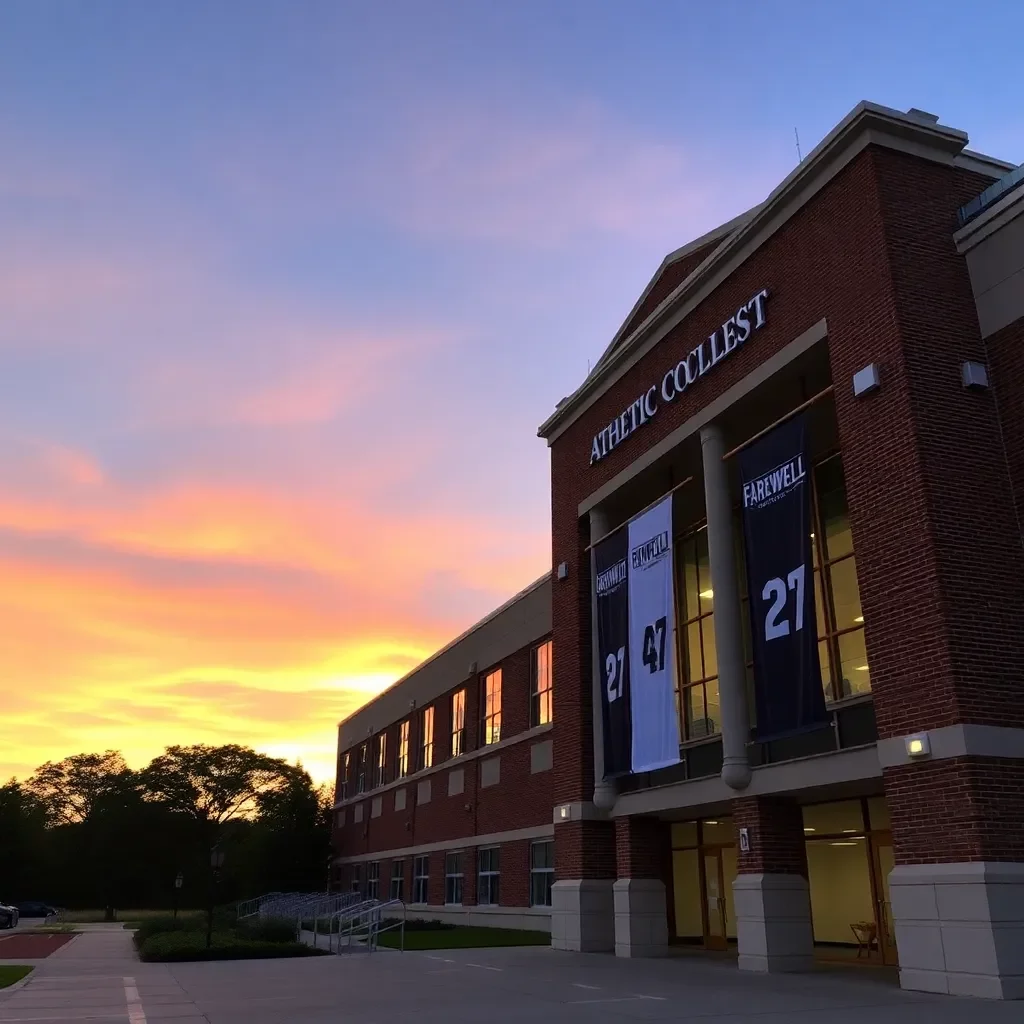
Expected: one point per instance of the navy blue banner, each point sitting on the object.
(611, 585)
(777, 527)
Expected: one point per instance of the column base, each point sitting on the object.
(641, 917)
(583, 915)
(960, 928)
(773, 923)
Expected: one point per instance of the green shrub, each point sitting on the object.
(267, 931)
(181, 946)
(159, 925)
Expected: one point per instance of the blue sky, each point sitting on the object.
(286, 288)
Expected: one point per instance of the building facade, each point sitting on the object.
(444, 791)
(877, 296)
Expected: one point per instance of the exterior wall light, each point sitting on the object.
(918, 745)
(974, 375)
(866, 380)
(564, 812)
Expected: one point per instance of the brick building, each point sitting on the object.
(444, 796)
(881, 289)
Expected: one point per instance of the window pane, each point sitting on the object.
(854, 658)
(707, 632)
(694, 665)
(826, 668)
(819, 608)
(832, 508)
(706, 594)
(714, 712)
(690, 601)
(684, 833)
(843, 818)
(542, 855)
(845, 593)
(717, 830)
(693, 705)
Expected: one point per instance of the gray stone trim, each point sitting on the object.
(541, 757)
(960, 927)
(796, 348)
(998, 215)
(462, 843)
(956, 741)
(578, 810)
(451, 763)
(490, 772)
(805, 773)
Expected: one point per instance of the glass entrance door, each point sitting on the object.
(884, 862)
(714, 897)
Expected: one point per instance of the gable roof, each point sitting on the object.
(913, 131)
(679, 264)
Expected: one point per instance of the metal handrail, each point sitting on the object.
(361, 925)
(377, 930)
(249, 908)
(351, 921)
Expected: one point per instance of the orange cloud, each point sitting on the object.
(200, 613)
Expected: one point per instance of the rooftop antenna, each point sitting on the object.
(799, 155)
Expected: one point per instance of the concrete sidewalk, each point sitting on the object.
(98, 978)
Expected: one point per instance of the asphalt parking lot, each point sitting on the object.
(96, 977)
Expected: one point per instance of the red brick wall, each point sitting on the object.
(642, 848)
(671, 278)
(515, 874)
(775, 827)
(960, 809)
(521, 799)
(966, 662)
(585, 849)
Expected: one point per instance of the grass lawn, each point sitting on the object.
(9, 975)
(466, 937)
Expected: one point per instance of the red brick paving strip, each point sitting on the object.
(31, 947)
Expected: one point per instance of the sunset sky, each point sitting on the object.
(286, 288)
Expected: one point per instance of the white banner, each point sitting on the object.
(652, 640)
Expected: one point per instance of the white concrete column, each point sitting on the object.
(605, 790)
(960, 927)
(773, 923)
(641, 917)
(582, 915)
(732, 683)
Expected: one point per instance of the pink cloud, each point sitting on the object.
(450, 167)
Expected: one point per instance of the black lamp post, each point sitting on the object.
(179, 881)
(216, 863)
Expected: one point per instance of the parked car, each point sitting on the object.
(33, 908)
(8, 916)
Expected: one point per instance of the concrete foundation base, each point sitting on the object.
(773, 923)
(641, 917)
(583, 915)
(960, 928)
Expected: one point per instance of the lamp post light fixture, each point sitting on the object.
(216, 863)
(179, 881)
